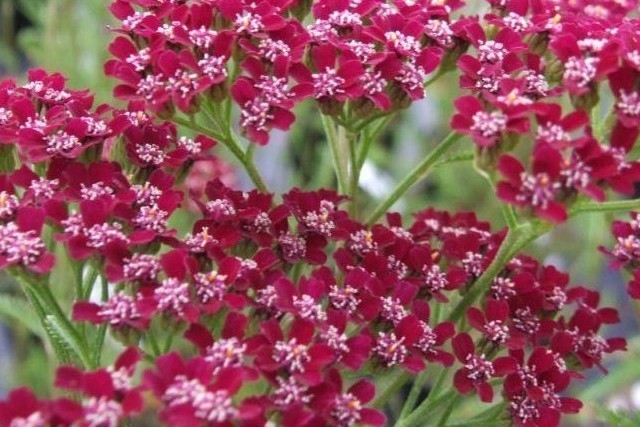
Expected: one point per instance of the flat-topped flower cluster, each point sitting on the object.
(284, 310)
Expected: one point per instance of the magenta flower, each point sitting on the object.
(295, 353)
(477, 370)
(487, 127)
(533, 390)
(493, 323)
(537, 190)
(346, 408)
(192, 395)
(21, 243)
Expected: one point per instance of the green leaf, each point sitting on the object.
(65, 338)
(14, 308)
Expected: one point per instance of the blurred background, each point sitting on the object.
(71, 36)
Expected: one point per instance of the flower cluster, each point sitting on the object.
(285, 309)
(371, 54)
(626, 250)
(370, 313)
(109, 396)
(518, 79)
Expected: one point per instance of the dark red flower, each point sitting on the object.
(477, 370)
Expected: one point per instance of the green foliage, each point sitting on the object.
(65, 339)
(615, 418)
(69, 36)
(14, 309)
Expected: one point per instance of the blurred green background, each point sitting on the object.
(71, 36)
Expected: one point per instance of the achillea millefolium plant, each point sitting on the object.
(302, 308)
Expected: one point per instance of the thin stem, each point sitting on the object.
(79, 282)
(435, 78)
(102, 330)
(371, 119)
(418, 416)
(428, 402)
(354, 177)
(167, 344)
(88, 285)
(509, 214)
(370, 135)
(340, 161)
(417, 174)
(197, 127)
(447, 413)
(231, 141)
(398, 380)
(251, 149)
(410, 403)
(516, 239)
(604, 124)
(480, 423)
(462, 156)
(488, 417)
(480, 285)
(612, 206)
(249, 165)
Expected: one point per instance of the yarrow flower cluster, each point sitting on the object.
(288, 309)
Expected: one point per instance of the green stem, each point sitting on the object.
(102, 330)
(366, 122)
(480, 423)
(410, 403)
(198, 128)
(488, 417)
(612, 206)
(516, 239)
(249, 165)
(509, 214)
(447, 413)
(340, 158)
(231, 141)
(382, 397)
(417, 174)
(426, 404)
(422, 412)
(603, 125)
(87, 287)
(167, 344)
(370, 135)
(508, 211)
(354, 178)
(462, 156)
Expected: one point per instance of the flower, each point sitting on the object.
(486, 127)
(476, 370)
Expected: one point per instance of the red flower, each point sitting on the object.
(347, 408)
(110, 388)
(477, 370)
(266, 99)
(538, 190)
(493, 324)
(295, 354)
(21, 244)
(533, 390)
(486, 127)
(192, 396)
